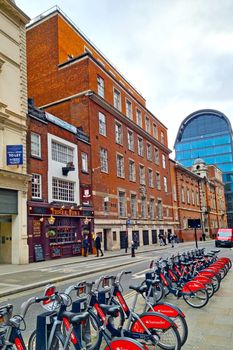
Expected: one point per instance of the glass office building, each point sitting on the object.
(207, 134)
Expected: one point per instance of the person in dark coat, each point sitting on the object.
(85, 245)
(98, 245)
(126, 244)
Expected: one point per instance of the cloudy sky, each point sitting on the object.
(177, 53)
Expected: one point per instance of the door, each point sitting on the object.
(5, 240)
(145, 234)
(135, 236)
(122, 239)
(154, 236)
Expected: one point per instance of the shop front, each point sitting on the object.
(58, 232)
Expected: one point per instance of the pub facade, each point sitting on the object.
(60, 213)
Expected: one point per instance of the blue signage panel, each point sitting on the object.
(14, 154)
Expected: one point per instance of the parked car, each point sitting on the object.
(224, 237)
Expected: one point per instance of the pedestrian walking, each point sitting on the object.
(203, 236)
(98, 245)
(134, 245)
(161, 241)
(85, 246)
(126, 244)
(164, 239)
(172, 240)
(169, 237)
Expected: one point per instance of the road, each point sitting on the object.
(138, 265)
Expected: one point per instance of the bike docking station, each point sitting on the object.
(194, 223)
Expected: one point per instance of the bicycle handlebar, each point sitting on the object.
(33, 300)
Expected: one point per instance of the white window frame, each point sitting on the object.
(143, 207)
(164, 161)
(188, 196)
(150, 178)
(182, 195)
(155, 130)
(156, 153)
(162, 137)
(157, 181)
(193, 198)
(118, 133)
(130, 139)
(61, 152)
(174, 193)
(160, 209)
(165, 184)
(103, 160)
(100, 86)
(133, 205)
(132, 170)
(117, 99)
(140, 146)
(149, 151)
(37, 145)
(62, 191)
(122, 204)
(128, 109)
(147, 124)
(120, 165)
(142, 179)
(36, 187)
(102, 124)
(152, 208)
(139, 117)
(84, 160)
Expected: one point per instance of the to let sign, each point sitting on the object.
(14, 154)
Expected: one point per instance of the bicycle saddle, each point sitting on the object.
(74, 318)
(111, 310)
(139, 289)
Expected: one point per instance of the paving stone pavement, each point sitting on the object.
(211, 327)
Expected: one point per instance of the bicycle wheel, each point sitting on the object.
(57, 344)
(169, 339)
(197, 299)
(157, 293)
(178, 320)
(124, 343)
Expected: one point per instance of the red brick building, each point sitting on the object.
(60, 212)
(198, 193)
(129, 158)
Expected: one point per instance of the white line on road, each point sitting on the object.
(140, 274)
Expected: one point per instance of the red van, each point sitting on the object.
(224, 237)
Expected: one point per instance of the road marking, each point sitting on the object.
(140, 274)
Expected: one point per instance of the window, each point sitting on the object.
(106, 205)
(140, 146)
(130, 138)
(142, 175)
(104, 160)
(128, 109)
(117, 99)
(63, 190)
(133, 205)
(149, 151)
(182, 195)
(174, 193)
(122, 208)
(193, 198)
(139, 117)
(164, 161)
(102, 124)
(36, 186)
(132, 171)
(84, 162)
(155, 131)
(35, 145)
(156, 156)
(62, 153)
(160, 209)
(152, 208)
(165, 183)
(120, 166)
(197, 197)
(188, 196)
(100, 86)
(162, 137)
(143, 208)
(150, 178)
(157, 181)
(118, 133)
(148, 124)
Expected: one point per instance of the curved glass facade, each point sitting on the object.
(207, 134)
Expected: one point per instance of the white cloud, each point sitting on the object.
(178, 53)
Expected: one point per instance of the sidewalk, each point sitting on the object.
(18, 278)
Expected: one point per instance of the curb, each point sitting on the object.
(60, 279)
